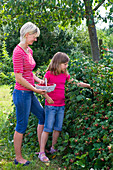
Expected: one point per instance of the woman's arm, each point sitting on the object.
(79, 84)
(25, 83)
(40, 81)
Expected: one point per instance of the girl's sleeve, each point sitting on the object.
(47, 75)
(68, 77)
(17, 62)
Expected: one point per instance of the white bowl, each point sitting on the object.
(48, 88)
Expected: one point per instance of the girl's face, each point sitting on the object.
(30, 38)
(64, 66)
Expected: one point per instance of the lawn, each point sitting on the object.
(5, 104)
(7, 153)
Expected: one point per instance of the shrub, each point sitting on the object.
(47, 44)
(6, 67)
(88, 124)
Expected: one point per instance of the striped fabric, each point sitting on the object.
(23, 63)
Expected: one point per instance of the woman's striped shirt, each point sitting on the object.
(23, 63)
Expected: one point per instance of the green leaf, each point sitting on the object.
(80, 97)
(91, 154)
(80, 163)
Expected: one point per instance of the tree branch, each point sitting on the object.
(98, 5)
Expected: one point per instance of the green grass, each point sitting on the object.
(5, 104)
(35, 165)
(7, 153)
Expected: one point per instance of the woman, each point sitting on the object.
(23, 95)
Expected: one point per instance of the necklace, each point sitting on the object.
(26, 50)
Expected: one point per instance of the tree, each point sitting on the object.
(50, 13)
(91, 29)
(74, 10)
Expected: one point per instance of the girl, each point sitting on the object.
(54, 112)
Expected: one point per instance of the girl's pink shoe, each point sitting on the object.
(42, 157)
(52, 150)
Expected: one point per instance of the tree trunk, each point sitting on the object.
(92, 30)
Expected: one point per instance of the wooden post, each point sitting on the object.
(100, 48)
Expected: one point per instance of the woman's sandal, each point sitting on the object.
(42, 156)
(26, 164)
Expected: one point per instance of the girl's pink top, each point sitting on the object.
(23, 63)
(58, 95)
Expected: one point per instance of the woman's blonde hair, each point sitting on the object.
(30, 28)
(58, 59)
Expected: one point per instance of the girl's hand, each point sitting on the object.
(41, 82)
(81, 84)
(49, 99)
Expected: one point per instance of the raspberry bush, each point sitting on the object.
(87, 136)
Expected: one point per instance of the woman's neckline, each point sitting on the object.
(25, 50)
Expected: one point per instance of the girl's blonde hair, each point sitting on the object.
(54, 66)
(30, 28)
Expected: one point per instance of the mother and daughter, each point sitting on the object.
(50, 119)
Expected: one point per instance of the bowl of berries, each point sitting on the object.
(46, 86)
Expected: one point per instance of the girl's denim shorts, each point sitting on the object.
(53, 118)
(26, 102)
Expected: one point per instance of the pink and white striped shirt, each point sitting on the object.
(23, 63)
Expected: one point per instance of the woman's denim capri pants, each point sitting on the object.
(26, 102)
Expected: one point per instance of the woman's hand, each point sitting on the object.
(39, 91)
(26, 84)
(40, 81)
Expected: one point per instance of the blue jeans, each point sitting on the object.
(26, 102)
(53, 118)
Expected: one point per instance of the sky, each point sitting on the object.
(101, 24)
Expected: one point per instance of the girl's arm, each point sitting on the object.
(79, 84)
(49, 99)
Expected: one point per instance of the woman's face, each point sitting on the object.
(30, 38)
(64, 66)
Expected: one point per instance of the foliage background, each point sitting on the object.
(86, 140)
